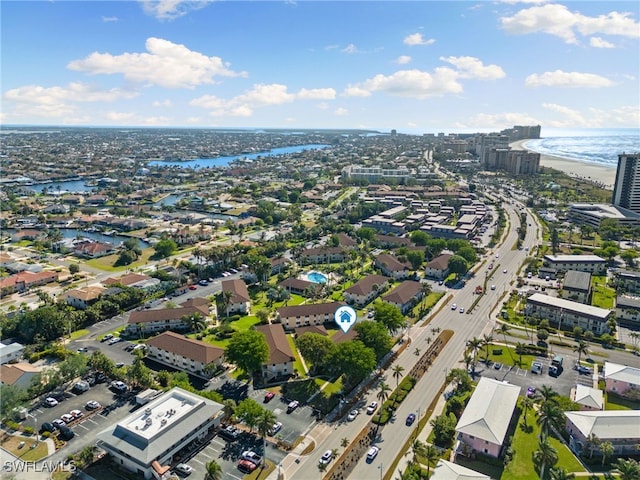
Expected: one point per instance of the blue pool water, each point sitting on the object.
(317, 277)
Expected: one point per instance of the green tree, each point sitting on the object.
(461, 379)
(581, 349)
(560, 474)
(383, 392)
(353, 359)
(431, 456)
(469, 254)
(248, 350)
(549, 416)
(416, 258)
(458, 265)
(228, 409)
(555, 240)
(419, 237)
(12, 397)
(375, 336)
(213, 471)
(526, 404)
(607, 449)
(72, 367)
(74, 268)
(389, 315)
(100, 362)
(444, 429)
(266, 421)
(249, 412)
(627, 469)
(165, 248)
(196, 322)
(140, 374)
(545, 456)
(474, 345)
(397, 374)
(315, 348)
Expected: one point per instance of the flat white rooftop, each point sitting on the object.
(147, 422)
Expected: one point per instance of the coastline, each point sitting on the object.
(604, 176)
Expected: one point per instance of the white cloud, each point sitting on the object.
(558, 20)
(417, 39)
(598, 42)
(498, 120)
(403, 59)
(419, 84)
(120, 116)
(74, 92)
(471, 67)
(567, 80)
(260, 95)
(351, 48)
(162, 103)
(171, 9)
(341, 112)
(166, 64)
(572, 118)
(110, 19)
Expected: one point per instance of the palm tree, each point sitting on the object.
(418, 449)
(520, 347)
(607, 450)
(383, 392)
(474, 344)
(627, 469)
(397, 374)
(546, 394)
(266, 420)
(334, 453)
(581, 349)
(344, 443)
(549, 416)
(225, 300)
(545, 455)
(214, 471)
(322, 467)
(487, 339)
(504, 329)
(560, 474)
(527, 404)
(431, 455)
(196, 322)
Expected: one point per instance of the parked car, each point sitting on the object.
(192, 287)
(67, 418)
(47, 427)
(276, 428)
(203, 282)
(251, 456)
(108, 336)
(531, 391)
(65, 433)
(497, 365)
(246, 466)
(58, 422)
(80, 387)
(50, 402)
(536, 367)
(292, 406)
(372, 453)
(230, 433)
(326, 457)
(352, 415)
(373, 406)
(119, 387)
(184, 469)
(454, 307)
(268, 396)
(92, 405)
(114, 340)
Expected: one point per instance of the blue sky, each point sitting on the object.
(416, 66)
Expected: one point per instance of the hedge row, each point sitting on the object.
(398, 395)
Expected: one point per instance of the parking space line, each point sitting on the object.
(81, 425)
(196, 460)
(233, 476)
(91, 420)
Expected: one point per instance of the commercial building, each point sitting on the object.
(566, 314)
(147, 441)
(626, 190)
(593, 213)
(580, 263)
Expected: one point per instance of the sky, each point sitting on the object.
(414, 66)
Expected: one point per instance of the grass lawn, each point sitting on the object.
(603, 296)
(614, 402)
(259, 473)
(508, 356)
(79, 333)
(106, 263)
(11, 443)
(245, 323)
(524, 444)
(297, 363)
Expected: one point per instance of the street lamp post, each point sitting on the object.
(380, 467)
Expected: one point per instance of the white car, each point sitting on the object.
(461, 310)
(352, 415)
(92, 405)
(76, 413)
(276, 428)
(50, 402)
(252, 456)
(504, 271)
(373, 406)
(59, 423)
(493, 287)
(372, 453)
(184, 469)
(67, 418)
(326, 457)
(454, 307)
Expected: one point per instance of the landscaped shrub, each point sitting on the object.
(28, 430)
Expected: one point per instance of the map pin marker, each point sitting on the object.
(345, 317)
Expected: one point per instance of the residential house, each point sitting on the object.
(20, 375)
(23, 281)
(298, 286)
(445, 470)
(628, 311)
(576, 286)
(619, 427)
(391, 241)
(484, 423)
(365, 290)
(566, 314)
(143, 322)
(345, 241)
(281, 358)
(622, 380)
(322, 255)
(186, 354)
(628, 281)
(588, 398)
(239, 300)
(581, 263)
(309, 314)
(438, 268)
(134, 280)
(279, 264)
(89, 249)
(405, 296)
(10, 352)
(83, 297)
(28, 234)
(392, 267)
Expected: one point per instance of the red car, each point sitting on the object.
(192, 287)
(268, 396)
(246, 466)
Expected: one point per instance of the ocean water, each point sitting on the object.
(599, 146)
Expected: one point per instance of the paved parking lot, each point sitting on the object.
(525, 378)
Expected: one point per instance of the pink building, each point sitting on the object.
(484, 423)
(622, 380)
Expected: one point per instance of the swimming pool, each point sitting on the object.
(317, 277)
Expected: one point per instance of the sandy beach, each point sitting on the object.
(586, 171)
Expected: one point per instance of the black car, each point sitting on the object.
(100, 377)
(66, 433)
(230, 433)
(47, 427)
